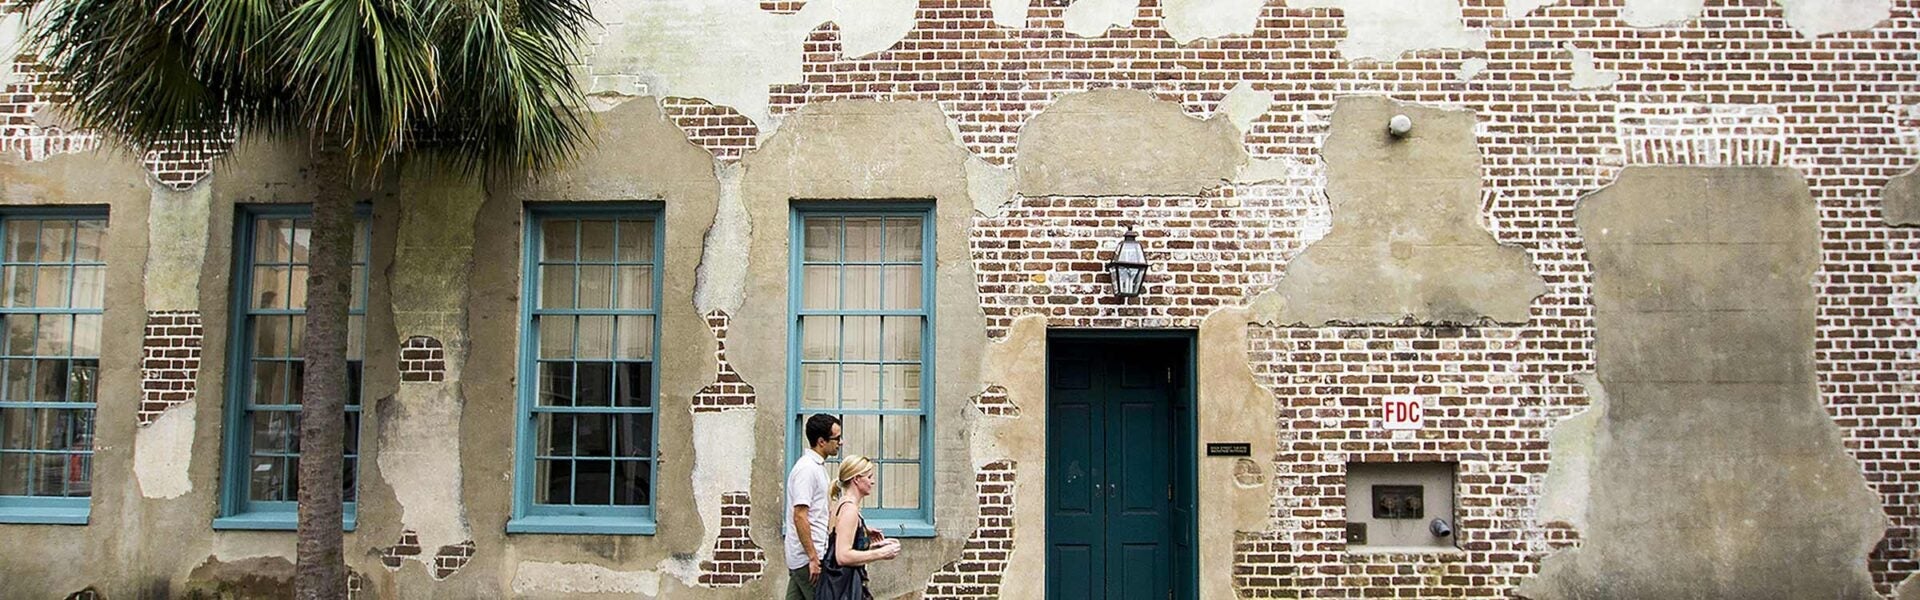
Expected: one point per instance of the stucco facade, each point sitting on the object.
(1649, 265)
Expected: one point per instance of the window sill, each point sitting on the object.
(270, 521)
(44, 515)
(577, 525)
(903, 528)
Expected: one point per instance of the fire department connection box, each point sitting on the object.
(1399, 507)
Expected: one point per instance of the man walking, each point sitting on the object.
(806, 530)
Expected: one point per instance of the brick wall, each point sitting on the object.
(736, 560)
(728, 391)
(170, 367)
(423, 360)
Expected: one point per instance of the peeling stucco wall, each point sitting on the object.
(1659, 13)
(163, 453)
(1815, 18)
(728, 52)
(853, 152)
(1092, 18)
(1714, 470)
(1586, 74)
(1407, 242)
(1386, 29)
(12, 26)
(1011, 14)
(568, 580)
(1236, 494)
(1123, 142)
(1018, 363)
(723, 260)
(1243, 105)
(1900, 200)
(178, 230)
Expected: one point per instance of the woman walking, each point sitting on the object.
(850, 545)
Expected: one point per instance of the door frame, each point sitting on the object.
(1186, 464)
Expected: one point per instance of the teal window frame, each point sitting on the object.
(896, 522)
(528, 516)
(237, 510)
(40, 509)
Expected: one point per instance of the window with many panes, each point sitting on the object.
(263, 429)
(862, 333)
(586, 461)
(54, 278)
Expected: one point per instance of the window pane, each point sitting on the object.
(297, 288)
(860, 338)
(52, 290)
(90, 240)
(636, 337)
(16, 428)
(19, 380)
(636, 241)
(83, 383)
(299, 239)
(55, 337)
(862, 288)
(89, 287)
(270, 288)
(596, 241)
(902, 339)
(23, 240)
(556, 286)
(275, 432)
(20, 334)
(553, 434)
(633, 384)
(52, 380)
(272, 479)
(593, 384)
(822, 239)
(903, 387)
(56, 241)
(819, 338)
(860, 434)
(635, 435)
(86, 335)
(553, 482)
(14, 474)
(863, 239)
(900, 437)
(19, 282)
(556, 336)
(903, 287)
(357, 298)
(899, 485)
(79, 475)
(820, 288)
(592, 435)
(596, 286)
(631, 479)
(557, 240)
(819, 387)
(271, 382)
(556, 384)
(270, 337)
(903, 239)
(635, 291)
(356, 336)
(593, 483)
(860, 386)
(595, 337)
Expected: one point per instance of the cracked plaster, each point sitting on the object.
(1092, 18)
(723, 450)
(12, 27)
(728, 52)
(721, 279)
(1118, 141)
(1470, 69)
(1815, 18)
(1407, 243)
(1388, 29)
(1011, 14)
(1189, 20)
(177, 247)
(1243, 105)
(163, 453)
(1712, 469)
(1233, 406)
(1018, 363)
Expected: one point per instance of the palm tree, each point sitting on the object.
(485, 82)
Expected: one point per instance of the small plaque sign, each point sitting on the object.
(1402, 413)
(1357, 533)
(1229, 449)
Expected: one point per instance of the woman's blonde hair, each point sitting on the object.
(852, 466)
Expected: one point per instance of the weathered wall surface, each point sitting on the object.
(1561, 96)
(1712, 448)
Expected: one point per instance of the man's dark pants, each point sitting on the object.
(799, 586)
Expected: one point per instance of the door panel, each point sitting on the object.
(1110, 463)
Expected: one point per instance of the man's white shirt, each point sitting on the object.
(807, 486)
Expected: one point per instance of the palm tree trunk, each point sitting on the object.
(321, 569)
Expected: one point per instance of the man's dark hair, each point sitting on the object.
(820, 427)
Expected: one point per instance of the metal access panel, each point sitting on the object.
(1400, 506)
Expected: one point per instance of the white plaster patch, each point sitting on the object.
(723, 447)
(578, 578)
(1572, 446)
(1521, 8)
(1244, 105)
(1587, 76)
(727, 52)
(1189, 20)
(1092, 18)
(1011, 14)
(163, 453)
(1386, 29)
(1470, 68)
(12, 27)
(177, 234)
(419, 457)
(990, 187)
(721, 279)
(1659, 13)
(1815, 18)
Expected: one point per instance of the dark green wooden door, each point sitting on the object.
(1111, 467)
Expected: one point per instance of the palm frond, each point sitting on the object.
(364, 73)
(124, 67)
(512, 102)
